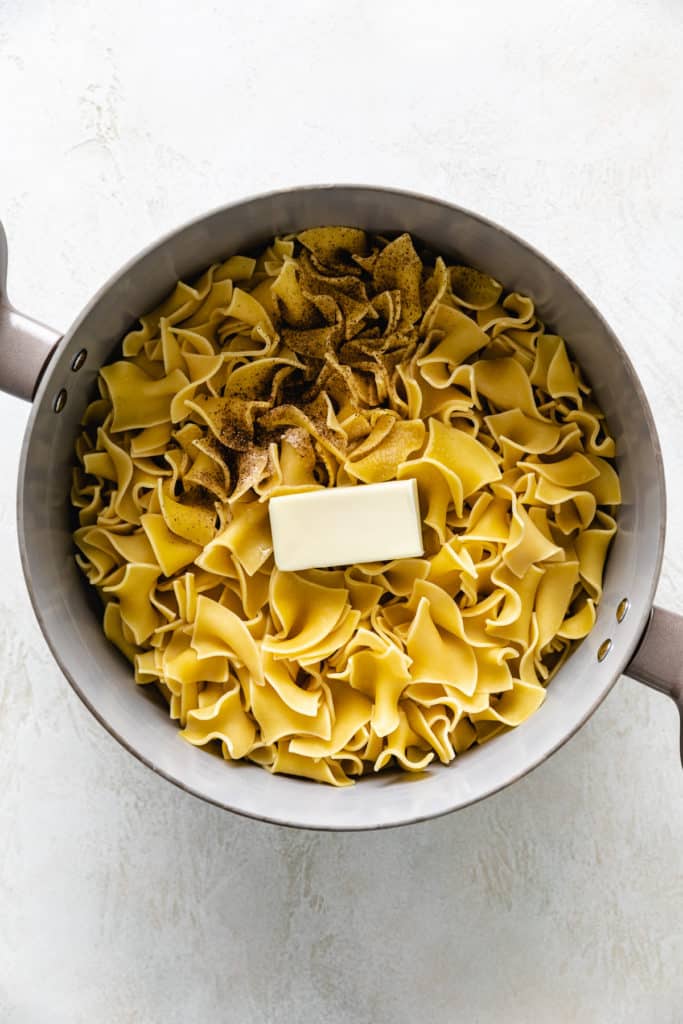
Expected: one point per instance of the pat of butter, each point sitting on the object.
(346, 525)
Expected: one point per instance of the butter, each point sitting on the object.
(346, 525)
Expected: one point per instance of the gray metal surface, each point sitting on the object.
(658, 662)
(25, 344)
(68, 615)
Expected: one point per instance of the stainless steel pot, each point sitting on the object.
(59, 375)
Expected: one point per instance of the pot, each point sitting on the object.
(58, 376)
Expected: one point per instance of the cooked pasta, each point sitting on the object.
(336, 359)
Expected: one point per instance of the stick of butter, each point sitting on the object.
(346, 525)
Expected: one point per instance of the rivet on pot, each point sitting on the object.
(604, 649)
(60, 400)
(79, 359)
(622, 609)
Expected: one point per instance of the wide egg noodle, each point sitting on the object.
(338, 358)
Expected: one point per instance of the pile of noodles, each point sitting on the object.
(336, 359)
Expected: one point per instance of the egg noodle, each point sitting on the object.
(336, 359)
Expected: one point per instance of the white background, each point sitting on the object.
(122, 899)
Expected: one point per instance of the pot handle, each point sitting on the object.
(25, 344)
(658, 662)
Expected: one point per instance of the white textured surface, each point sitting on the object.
(125, 901)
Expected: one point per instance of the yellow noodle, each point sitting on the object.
(336, 358)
